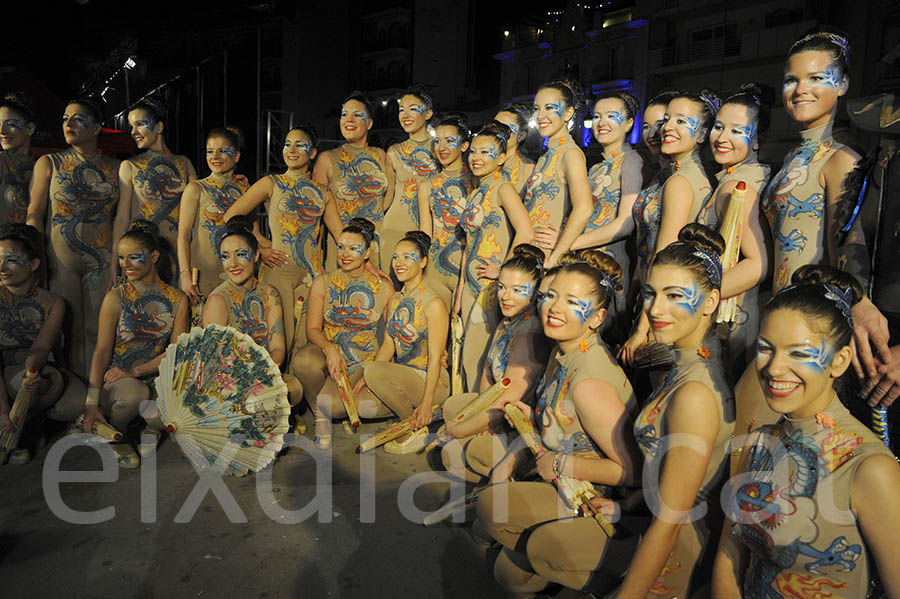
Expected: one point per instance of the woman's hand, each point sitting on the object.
(359, 386)
(608, 508)
(6, 425)
(273, 258)
(91, 415)
(524, 407)
(546, 237)
(423, 414)
(487, 270)
(545, 466)
(626, 353)
(190, 290)
(115, 373)
(377, 271)
(241, 179)
(334, 361)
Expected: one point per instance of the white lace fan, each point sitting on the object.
(223, 400)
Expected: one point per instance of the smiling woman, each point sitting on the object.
(834, 514)
(17, 125)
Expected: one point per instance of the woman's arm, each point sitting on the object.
(258, 193)
(456, 310)
(693, 414)
(517, 215)
(322, 170)
(39, 195)
(215, 311)
(106, 340)
(731, 556)
(873, 498)
(422, 193)
(190, 200)
(275, 327)
(575, 172)
(123, 215)
(315, 319)
(331, 217)
(438, 326)
(47, 336)
(832, 178)
(179, 326)
(752, 267)
(623, 224)
(390, 173)
(675, 205)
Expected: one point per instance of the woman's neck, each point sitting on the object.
(23, 150)
(819, 404)
(355, 272)
(150, 278)
(248, 284)
(570, 345)
(414, 282)
(682, 156)
(822, 120)
(695, 337)
(614, 147)
(420, 136)
(454, 166)
(227, 175)
(24, 288)
(297, 172)
(159, 145)
(561, 134)
(360, 143)
(86, 149)
(494, 175)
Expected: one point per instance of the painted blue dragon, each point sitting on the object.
(445, 204)
(349, 311)
(250, 314)
(401, 329)
(148, 333)
(161, 181)
(306, 202)
(363, 185)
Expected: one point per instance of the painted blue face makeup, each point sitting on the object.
(140, 258)
(407, 257)
(692, 124)
(244, 254)
(492, 151)
(583, 309)
(229, 151)
(746, 134)
(356, 248)
(830, 77)
(539, 298)
(80, 121)
(524, 291)
(418, 108)
(556, 108)
(306, 147)
(615, 116)
(13, 125)
(691, 300)
(817, 358)
(145, 124)
(453, 142)
(13, 258)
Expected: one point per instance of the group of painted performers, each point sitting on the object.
(367, 256)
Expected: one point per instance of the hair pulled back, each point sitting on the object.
(362, 227)
(24, 236)
(827, 39)
(528, 259)
(698, 249)
(240, 225)
(20, 103)
(599, 267)
(420, 239)
(759, 99)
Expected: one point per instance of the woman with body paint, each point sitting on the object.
(245, 303)
(295, 207)
(17, 125)
(518, 167)
(683, 198)
(79, 188)
(801, 200)
(442, 200)
(814, 504)
(357, 176)
(558, 194)
(735, 139)
(407, 163)
(345, 306)
(693, 403)
(201, 219)
(615, 183)
(583, 414)
(151, 184)
(138, 320)
(407, 375)
(30, 323)
(493, 211)
(518, 352)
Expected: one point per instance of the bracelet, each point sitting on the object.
(93, 397)
(181, 272)
(556, 461)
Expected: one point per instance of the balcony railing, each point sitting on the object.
(671, 56)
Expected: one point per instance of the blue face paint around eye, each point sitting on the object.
(407, 257)
(418, 108)
(14, 124)
(583, 309)
(356, 248)
(692, 298)
(244, 254)
(229, 151)
(362, 115)
(819, 357)
(556, 108)
(524, 291)
(831, 77)
(453, 142)
(81, 121)
(145, 124)
(746, 134)
(692, 124)
(513, 129)
(139, 258)
(615, 116)
(492, 151)
(789, 85)
(306, 147)
(14, 259)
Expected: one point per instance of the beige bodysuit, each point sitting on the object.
(217, 195)
(15, 174)
(411, 161)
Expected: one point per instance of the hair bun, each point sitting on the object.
(499, 131)
(366, 227)
(823, 274)
(240, 223)
(238, 134)
(703, 236)
(764, 93)
(25, 234)
(420, 239)
(526, 250)
(606, 264)
(142, 225)
(20, 102)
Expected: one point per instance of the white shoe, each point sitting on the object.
(416, 441)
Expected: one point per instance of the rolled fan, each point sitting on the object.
(732, 230)
(222, 397)
(19, 411)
